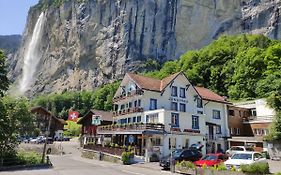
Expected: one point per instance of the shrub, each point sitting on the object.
(126, 156)
(255, 168)
(186, 164)
(278, 173)
(28, 158)
(219, 167)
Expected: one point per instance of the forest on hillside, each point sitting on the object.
(240, 67)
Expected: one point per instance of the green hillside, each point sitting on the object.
(240, 67)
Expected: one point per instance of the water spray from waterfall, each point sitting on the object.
(32, 55)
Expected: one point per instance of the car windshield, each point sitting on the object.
(177, 153)
(242, 156)
(209, 157)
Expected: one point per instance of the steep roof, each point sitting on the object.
(106, 116)
(147, 83)
(152, 84)
(209, 95)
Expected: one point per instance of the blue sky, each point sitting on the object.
(13, 14)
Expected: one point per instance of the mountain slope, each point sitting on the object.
(87, 43)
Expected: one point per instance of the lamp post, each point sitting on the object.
(172, 166)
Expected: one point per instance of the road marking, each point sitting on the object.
(132, 172)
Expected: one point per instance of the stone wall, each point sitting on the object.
(91, 154)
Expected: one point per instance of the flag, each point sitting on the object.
(73, 116)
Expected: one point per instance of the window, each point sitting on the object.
(238, 131)
(174, 120)
(152, 118)
(129, 120)
(216, 114)
(232, 131)
(199, 112)
(172, 143)
(231, 112)
(139, 102)
(124, 120)
(182, 107)
(134, 119)
(156, 142)
(153, 104)
(174, 106)
(174, 91)
(218, 129)
(138, 119)
(199, 103)
(253, 112)
(135, 103)
(195, 122)
(182, 92)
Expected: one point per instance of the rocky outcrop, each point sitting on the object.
(92, 42)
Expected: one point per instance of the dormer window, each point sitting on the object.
(174, 91)
(182, 92)
(199, 103)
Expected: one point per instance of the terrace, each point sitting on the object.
(131, 127)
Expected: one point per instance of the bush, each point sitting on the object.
(186, 164)
(219, 167)
(28, 158)
(126, 156)
(255, 168)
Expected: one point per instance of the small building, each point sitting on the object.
(249, 122)
(89, 129)
(43, 119)
(156, 116)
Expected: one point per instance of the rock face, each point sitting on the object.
(92, 42)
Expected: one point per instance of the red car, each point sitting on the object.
(211, 159)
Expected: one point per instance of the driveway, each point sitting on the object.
(71, 163)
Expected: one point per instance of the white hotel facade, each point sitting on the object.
(161, 115)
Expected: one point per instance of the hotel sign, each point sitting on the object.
(173, 99)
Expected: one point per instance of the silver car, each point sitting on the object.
(237, 149)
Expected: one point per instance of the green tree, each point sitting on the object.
(4, 82)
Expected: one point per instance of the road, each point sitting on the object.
(73, 164)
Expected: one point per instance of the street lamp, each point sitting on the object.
(172, 166)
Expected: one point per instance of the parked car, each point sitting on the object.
(27, 139)
(237, 149)
(39, 139)
(180, 155)
(65, 138)
(244, 158)
(211, 159)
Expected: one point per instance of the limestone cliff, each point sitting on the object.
(87, 43)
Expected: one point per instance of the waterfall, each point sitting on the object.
(32, 56)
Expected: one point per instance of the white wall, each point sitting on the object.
(208, 110)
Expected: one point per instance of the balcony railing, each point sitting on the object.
(127, 111)
(132, 127)
(129, 94)
(259, 118)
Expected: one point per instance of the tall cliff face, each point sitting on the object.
(89, 43)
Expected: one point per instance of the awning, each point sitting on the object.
(210, 123)
(246, 139)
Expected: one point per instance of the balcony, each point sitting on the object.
(128, 95)
(265, 118)
(130, 127)
(127, 111)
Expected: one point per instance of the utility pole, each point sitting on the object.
(46, 141)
